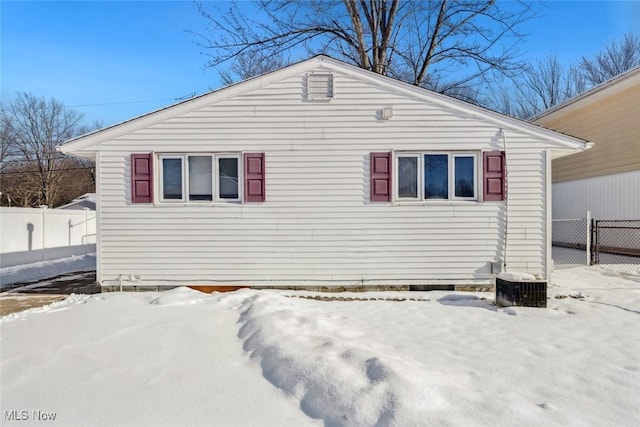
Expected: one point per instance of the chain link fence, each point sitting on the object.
(570, 241)
(611, 244)
(616, 245)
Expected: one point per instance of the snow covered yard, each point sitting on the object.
(260, 358)
(45, 269)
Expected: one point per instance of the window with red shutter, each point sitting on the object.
(434, 175)
(142, 178)
(494, 176)
(254, 182)
(381, 177)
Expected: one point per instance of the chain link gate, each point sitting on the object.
(611, 244)
(616, 245)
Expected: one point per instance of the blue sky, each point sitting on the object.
(116, 60)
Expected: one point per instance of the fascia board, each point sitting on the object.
(500, 120)
(86, 141)
(609, 88)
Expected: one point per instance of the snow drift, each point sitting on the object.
(271, 358)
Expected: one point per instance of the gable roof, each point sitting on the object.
(611, 86)
(87, 200)
(85, 142)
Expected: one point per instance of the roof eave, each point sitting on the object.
(80, 145)
(82, 142)
(499, 119)
(588, 93)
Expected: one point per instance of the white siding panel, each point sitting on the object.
(317, 224)
(607, 197)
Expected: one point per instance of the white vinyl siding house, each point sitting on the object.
(315, 211)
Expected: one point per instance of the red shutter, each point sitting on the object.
(494, 176)
(142, 178)
(254, 188)
(381, 177)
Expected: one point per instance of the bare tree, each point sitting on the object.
(7, 148)
(448, 46)
(546, 84)
(21, 185)
(616, 58)
(502, 99)
(541, 86)
(32, 128)
(250, 64)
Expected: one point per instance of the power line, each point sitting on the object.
(122, 102)
(180, 98)
(52, 170)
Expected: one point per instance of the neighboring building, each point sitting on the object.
(86, 201)
(605, 179)
(322, 173)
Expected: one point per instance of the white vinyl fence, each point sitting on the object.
(40, 234)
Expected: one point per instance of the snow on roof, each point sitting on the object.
(87, 200)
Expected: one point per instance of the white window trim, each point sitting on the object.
(216, 177)
(449, 175)
(451, 155)
(184, 157)
(187, 183)
(452, 182)
(396, 177)
(160, 177)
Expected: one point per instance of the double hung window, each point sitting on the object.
(437, 176)
(200, 177)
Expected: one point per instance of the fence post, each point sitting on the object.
(44, 229)
(594, 229)
(588, 237)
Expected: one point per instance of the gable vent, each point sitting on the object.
(319, 86)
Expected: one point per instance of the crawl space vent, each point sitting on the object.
(319, 86)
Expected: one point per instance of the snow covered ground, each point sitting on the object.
(570, 258)
(44, 269)
(272, 358)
